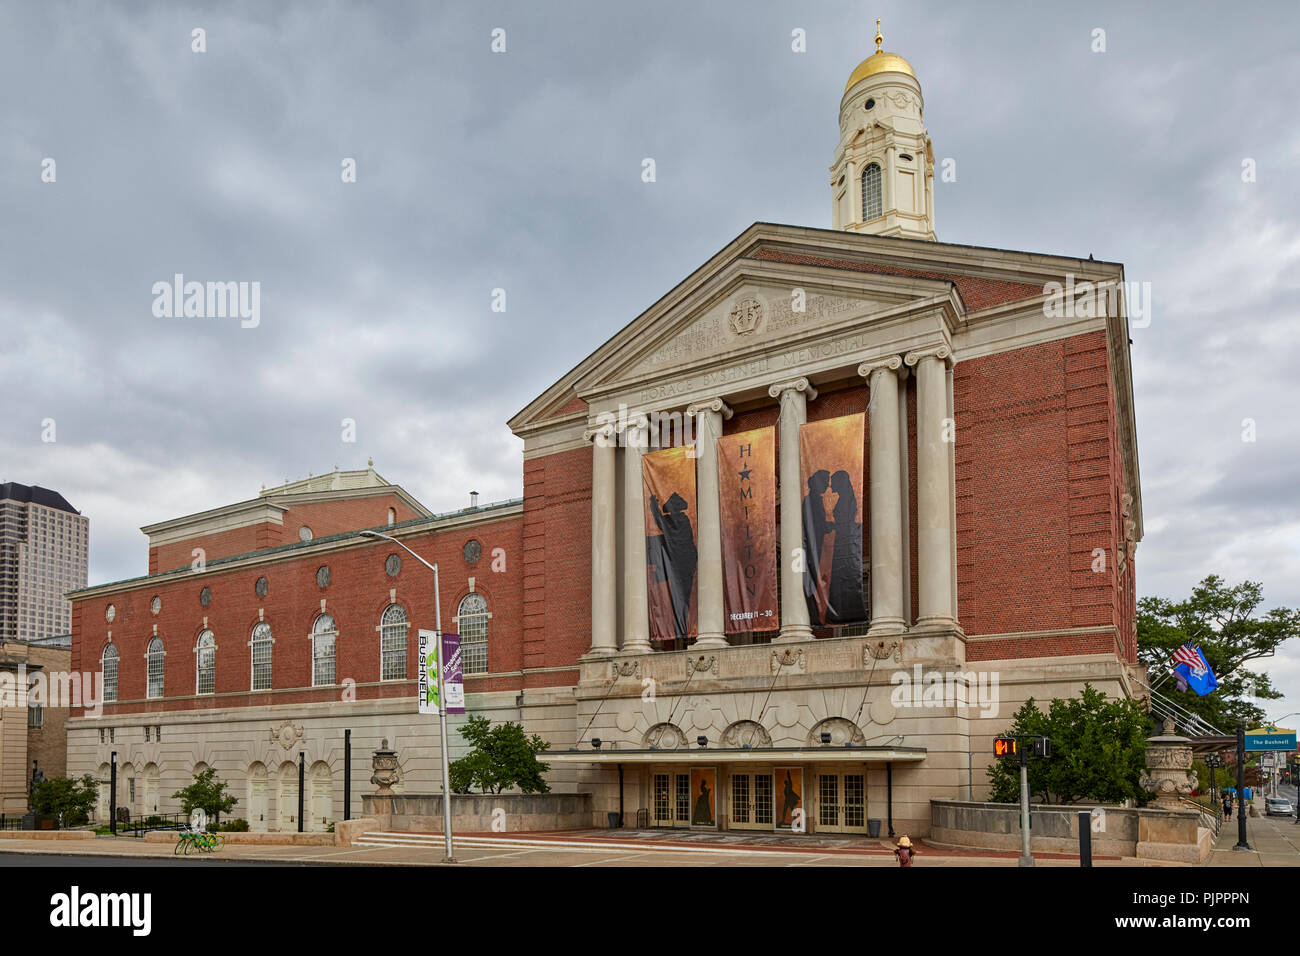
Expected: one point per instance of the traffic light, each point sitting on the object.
(1042, 747)
(1005, 747)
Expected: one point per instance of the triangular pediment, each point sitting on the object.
(752, 317)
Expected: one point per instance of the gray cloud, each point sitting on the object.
(522, 171)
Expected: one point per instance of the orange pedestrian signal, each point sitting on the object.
(1005, 747)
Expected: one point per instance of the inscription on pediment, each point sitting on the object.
(750, 316)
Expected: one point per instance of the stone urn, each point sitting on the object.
(1169, 768)
(384, 764)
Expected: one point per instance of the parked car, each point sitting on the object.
(1278, 806)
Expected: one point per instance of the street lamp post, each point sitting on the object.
(1213, 762)
(442, 697)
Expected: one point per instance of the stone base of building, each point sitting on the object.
(479, 813)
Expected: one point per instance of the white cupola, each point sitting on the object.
(882, 175)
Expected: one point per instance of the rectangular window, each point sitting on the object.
(34, 716)
(261, 665)
(392, 652)
(473, 643)
(322, 663)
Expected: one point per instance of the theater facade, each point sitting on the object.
(794, 544)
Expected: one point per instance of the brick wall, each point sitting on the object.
(356, 596)
(557, 564)
(1037, 467)
(323, 517)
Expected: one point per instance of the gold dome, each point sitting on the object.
(879, 62)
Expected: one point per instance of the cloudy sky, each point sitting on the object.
(520, 170)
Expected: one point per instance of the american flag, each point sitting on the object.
(1187, 655)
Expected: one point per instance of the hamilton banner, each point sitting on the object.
(668, 482)
(830, 460)
(747, 502)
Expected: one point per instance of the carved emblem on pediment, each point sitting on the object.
(745, 316)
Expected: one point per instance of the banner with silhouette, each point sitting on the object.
(668, 482)
(830, 464)
(747, 502)
(789, 799)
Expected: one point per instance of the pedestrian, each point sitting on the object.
(904, 851)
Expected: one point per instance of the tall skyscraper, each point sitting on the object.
(44, 543)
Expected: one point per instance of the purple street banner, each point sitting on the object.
(453, 674)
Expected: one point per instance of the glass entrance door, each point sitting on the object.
(670, 800)
(751, 801)
(842, 803)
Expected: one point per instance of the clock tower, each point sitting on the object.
(882, 174)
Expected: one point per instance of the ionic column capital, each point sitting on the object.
(601, 435)
(800, 384)
(941, 352)
(710, 405)
(891, 362)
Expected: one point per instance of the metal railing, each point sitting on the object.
(155, 821)
(1211, 817)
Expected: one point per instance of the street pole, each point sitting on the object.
(1241, 843)
(302, 773)
(442, 697)
(1026, 858)
(347, 775)
(112, 794)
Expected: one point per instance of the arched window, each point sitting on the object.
(392, 516)
(154, 669)
(205, 662)
(261, 644)
(472, 622)
(871, 201)
(323, 636)
(108, 671)
(392, 643)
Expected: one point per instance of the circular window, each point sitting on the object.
(393, 565)
(304, 533)
(205, 596)
(869, 104)
(110, 612)
(323, 576)
(472, 551)
(261, 587)
(156, 604)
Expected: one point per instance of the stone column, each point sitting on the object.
(604, 541)
(794, 396)
(886, 511)
(708, 531)
(934, 490)
(636, 601)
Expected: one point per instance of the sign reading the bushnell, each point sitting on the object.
(830, 463)
(747, 503)
(453, 674)
(427, 683)
(668, 480)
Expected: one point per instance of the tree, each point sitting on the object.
(1098, 752)
(208, 794)
(1223, 620)
(67, 798)
(500, 757)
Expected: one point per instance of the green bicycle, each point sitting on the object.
(202, 842)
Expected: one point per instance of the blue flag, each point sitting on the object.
(1199, 678)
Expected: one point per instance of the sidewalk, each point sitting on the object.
(1274, 841)
(576, 848)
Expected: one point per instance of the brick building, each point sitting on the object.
(1000, 515)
